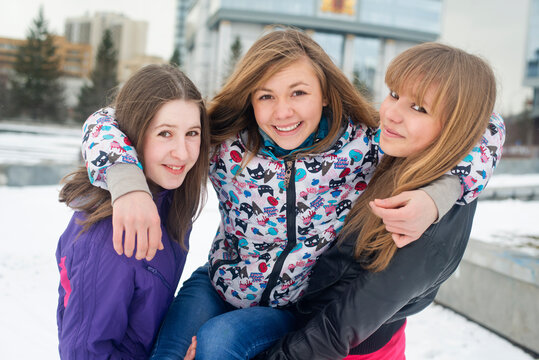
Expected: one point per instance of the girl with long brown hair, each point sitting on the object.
(111, 306)
(294, 146)
(363, 289)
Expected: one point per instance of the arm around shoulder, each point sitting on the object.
(103, 145)
(360, 307)
(476, 169)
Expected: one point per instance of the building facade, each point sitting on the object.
(532, 57)
(129, 36)
(75, 59)
(361, 36)
(182, 8)
(532, 68)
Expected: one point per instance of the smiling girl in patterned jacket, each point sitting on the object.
(294, 146)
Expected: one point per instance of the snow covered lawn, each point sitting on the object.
(32, 220)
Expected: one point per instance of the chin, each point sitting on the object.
(171, 185)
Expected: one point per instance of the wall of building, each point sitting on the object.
(75, 59)
(356, 36)
(497, 30)
(129, 36)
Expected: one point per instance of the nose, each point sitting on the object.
(394, 112)
(179, 149)
(283, 109)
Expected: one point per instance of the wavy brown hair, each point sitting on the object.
(137, 103)
(231, 110)
(465, 93)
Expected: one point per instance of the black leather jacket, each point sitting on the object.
(347, 309)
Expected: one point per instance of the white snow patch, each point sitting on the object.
(32, 221)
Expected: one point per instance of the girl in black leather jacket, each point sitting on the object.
(362, 290)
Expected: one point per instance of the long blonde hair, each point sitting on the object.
(231, 110)
(464, 100)
(136, 104)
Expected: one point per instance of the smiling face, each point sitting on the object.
(172, 143)
(288, 106)
(407, 128)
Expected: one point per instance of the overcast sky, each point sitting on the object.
(16, 17)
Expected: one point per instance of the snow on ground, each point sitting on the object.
(509, 180)
(32, 220)
(508, 223)
(33, 144)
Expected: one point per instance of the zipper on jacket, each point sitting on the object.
(158, 274)
(290, 185)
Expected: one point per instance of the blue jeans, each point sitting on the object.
(222, 331)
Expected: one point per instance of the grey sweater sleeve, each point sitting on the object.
(125, 178)
(445, 192)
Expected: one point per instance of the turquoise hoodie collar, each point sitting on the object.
(270, 148)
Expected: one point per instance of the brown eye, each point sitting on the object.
(298, 93)
(264, 97)
(419, 108)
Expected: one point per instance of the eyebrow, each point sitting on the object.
(290, 87)
(174, 126)
(164, 125)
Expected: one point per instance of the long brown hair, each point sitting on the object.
(137, 103)
(231, 110)
(464, 99)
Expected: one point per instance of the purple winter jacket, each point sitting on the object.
(111, 306)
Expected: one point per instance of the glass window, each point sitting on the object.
(532, 56)
(295, 7)
(332, 44)
(366, 60)
(421, 15)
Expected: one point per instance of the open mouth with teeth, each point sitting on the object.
(174, 169)
(288, 128)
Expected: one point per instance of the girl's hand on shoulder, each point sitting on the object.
(135, 215)
(191, 352)
(406, 215)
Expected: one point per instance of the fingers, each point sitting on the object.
(129, 241)
(387, 214)
(117, 237)
(190, 355)
(402, 240)
(398, 230)
(142, 243)
(191, 352)
(393, 202)
(135, 216)
(154, 241)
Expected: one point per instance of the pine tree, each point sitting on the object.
(361, 86)
(5, 97)
(176, 58)
(236, 50)
(36, 88)
(103, 79)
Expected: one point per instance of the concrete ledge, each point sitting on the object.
(516, 192)
(498, 288)
(32, 175)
